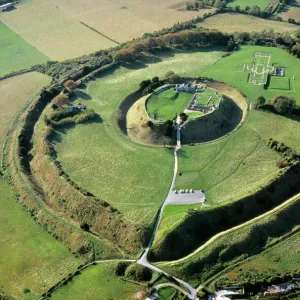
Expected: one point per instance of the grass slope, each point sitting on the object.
(235, 165)
(97, 282)
(229, 69)
(53, 32)
(234, 245)
(133, 178)
(15, 92)
(123, 21)
(29, 256)
(232, 22)
(282, 258)
(16, 53)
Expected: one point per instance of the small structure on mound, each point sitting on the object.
(186, 87)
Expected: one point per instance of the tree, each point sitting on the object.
(85, 226)
(61, 100)
(259, 101)
(70, 84)
(142, 273)
(283, 104)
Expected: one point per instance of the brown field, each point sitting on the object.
(124, 20)
(292, 11)
(15, 92)
(53, 32)
(232, 22)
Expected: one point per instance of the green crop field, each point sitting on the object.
(97, 282)
(279, 83)
(282, 258)
(133, 178)
(243, 3)
(16, 53)
(238, 164)
(29, 257)
(230, 70)
(167, 104)
(53, 32)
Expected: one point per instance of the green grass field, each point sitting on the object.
(229, 69)
(16, 53)
(97, 282)
(167, 104)
(280, 259)
(237, 164)
(243, 3)
(29, 256)
(280, 83)
(133, 178)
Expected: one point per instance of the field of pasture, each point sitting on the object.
(133, 178)
(243, 3)
(30, 258)
(15, 93)
(16, 53)
(124, 20)
(232, 22)
(230, 70)
(53, 32)
(282, 258)
(240, 163)
(98, 282)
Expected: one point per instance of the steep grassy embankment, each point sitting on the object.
(237, 244)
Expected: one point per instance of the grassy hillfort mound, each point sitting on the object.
(165, 166)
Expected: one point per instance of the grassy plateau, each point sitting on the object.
(167, 104)
(133, 178)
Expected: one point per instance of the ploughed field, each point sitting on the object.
(133, 178)
(125, 20)
(53, 32)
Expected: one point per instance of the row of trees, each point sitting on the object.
(183, 39)
(283, 105)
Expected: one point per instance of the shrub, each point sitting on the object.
(259, 101)
(85, 226)
(26, 290)
(61, 100)
(70, 84)
(121, 268)
(281, 164)
(283, 104)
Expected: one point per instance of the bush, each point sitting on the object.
(283, 104)
(85, 226)
(121, 268)
(26, 290)
(70, 84)
(259, 101)
(61, 100)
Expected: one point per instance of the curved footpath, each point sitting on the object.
(143, 259)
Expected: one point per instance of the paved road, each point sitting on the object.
(186, 198)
